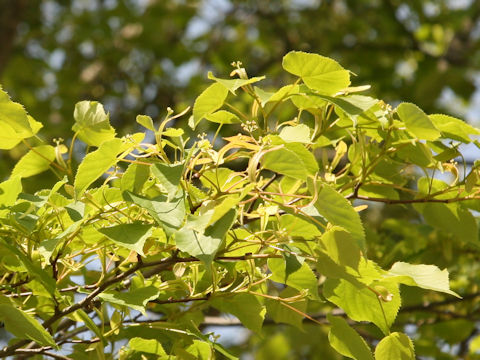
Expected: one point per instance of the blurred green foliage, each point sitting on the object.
(140, 56)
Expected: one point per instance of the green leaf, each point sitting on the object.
(452, 331)
(35, 161)
(425, 276)
(34, 124)
(95, 164)
(172, 132)
(201, 350)
(307, 99)
(366, 306)
(299, 133)
(81, 315)
(417, 122)
(92, 123)
(285, 92)
(134, 177)
(15, 124)
(135, 299)
(146, 121)
(210, 100)
(283, 314)
(9, 191)
(33, 269)
(263, 95)
(452, 218)
(228, 203)
(338, 211)
(149, 346)
(233, 84)
(396, 346)
(168, 214)
(24, 326)
(346, 340)
(301, 279)
(223, 117)
(47, 247)
(317, 72)
(291, 160)
(168, 176)
(296, 226)
(454, 128)
(352, 104)
(204, 245)
(131, 236)
(341, 247)
(245, 307)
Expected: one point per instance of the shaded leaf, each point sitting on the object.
(245, 307)
(134, 177)
(338, 211)
(168, 176)
(168, 214)
(301, 279)
(366, 305)
(135, 299)
(283, 314)
(346, 340)
(204, 245)
(149, 346)
(24, 326)
(131, 236)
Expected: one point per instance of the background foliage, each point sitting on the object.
(138, 57)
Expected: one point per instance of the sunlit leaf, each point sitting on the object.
(35, 161)
(96, 163)
(417, 122)
(424, 276)
(92, 123)
(318, 72)
(396, 346)
(210, 100)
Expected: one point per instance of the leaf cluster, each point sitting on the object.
(142, 243)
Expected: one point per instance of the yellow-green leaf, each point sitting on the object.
(210, 100)
(35, 161)
(346, 340)
(319, 73)
(24, 326)
(396, 346)
(92, 123)
(417, 122)
(95, 164)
